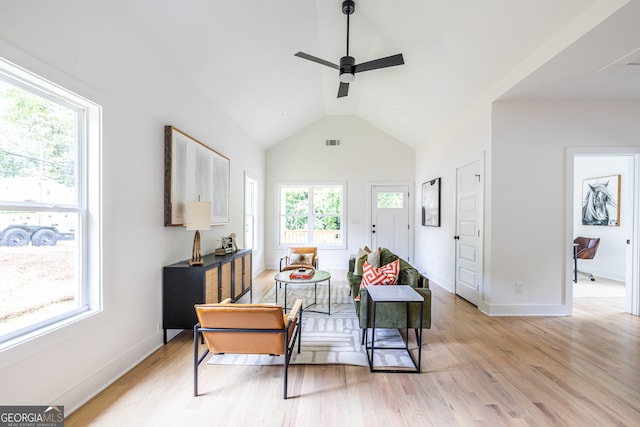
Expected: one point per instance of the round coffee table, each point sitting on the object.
(319, 276)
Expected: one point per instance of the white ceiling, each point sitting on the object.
(241, 53)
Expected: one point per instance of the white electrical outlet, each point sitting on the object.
(519, 286)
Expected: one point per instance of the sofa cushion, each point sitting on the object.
(359, 254)
(385, 275)
(372, 258)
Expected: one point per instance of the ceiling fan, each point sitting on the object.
(348, 67)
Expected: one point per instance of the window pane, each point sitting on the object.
(326, 230)
(294, 229)
(296, 201)
(39, 256)
(294, 213)
(37, 148)
(250, 232)
(327, 200)
(389, 200)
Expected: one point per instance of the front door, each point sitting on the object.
(390, 219)
(468, 237)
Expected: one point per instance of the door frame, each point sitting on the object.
(632, 302)
(482, 305)
(410, 200)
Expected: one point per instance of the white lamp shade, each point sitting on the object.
(198, 216)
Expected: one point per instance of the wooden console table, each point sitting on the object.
(221, 276)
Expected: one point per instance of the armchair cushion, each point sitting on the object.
(238, 316)
(305, 259)
(298, 257)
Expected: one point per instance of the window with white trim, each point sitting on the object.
(312, 214)
(49, 198)
(250, 213)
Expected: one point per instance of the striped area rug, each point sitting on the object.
(333, 339)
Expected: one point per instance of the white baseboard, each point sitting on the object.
(440, 281)
(525, 310)
(605, 274)
(104, 377)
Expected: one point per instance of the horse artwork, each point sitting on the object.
(601, 198)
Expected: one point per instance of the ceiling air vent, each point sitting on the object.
(332, 142)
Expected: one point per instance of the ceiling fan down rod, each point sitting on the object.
(348, 7)
(347, 35)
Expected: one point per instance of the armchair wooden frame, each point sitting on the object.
(217, 340)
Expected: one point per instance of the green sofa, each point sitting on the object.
(392, 315)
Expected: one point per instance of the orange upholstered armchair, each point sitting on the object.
(300, 257)
(246, 329)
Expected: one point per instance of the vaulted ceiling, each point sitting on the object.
(456, 52)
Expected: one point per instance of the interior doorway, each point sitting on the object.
(615, 264)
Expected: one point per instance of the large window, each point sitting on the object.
(45, 206)
(312, 214)
(250, 213)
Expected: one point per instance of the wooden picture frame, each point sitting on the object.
(193, 172)
(431, 203)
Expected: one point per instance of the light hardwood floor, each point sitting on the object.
(582, 370)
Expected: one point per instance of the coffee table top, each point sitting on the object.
(319, 276)
(393, 293)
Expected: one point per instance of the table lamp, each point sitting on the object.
(198, 218)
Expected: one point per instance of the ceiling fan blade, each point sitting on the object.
(343, 90)
(389, 61)
(318, 60)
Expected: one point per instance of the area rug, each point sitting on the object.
(328, 339)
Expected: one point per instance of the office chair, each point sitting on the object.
(584, 248)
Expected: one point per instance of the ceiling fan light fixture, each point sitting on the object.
(347, 77)
(347, 69)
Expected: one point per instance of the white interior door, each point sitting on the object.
(468, 236)
(390, 219)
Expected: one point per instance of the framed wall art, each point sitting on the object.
(193, 172)
(431, 203)
(601, 201)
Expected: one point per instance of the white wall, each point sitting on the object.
(365, 156)
(460, 143)
(93, 49)
(529, 196)
(610, 259)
